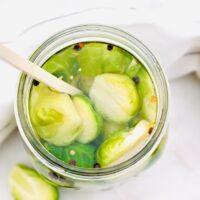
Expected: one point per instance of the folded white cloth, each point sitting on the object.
(6, 130)
(175, 45)
(178, 55)
(8, 78)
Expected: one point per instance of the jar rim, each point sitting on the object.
(157, 74)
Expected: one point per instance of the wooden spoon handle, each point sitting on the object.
(36, 72)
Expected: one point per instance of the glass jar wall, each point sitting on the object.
(66, 175)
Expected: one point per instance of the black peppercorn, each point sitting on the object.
(35, 82)
(77, 47)
(110, 47)
(136, 79)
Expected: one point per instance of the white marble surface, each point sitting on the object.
(175, 176)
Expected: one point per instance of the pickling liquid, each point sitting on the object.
(113, 118)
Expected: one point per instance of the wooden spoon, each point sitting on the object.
(36, 72)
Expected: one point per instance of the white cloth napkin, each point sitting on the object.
(175, 45)
(8, 78)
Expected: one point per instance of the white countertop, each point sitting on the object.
(175, 176)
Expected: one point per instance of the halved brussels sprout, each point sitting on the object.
(27, 184)
(115, 97)
(148, 96)
(122, 143)
(80, 155)
(91, 121)
(110, 128)
(97, 58)
(54, 116)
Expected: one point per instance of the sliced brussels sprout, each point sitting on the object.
(63, 64)
(80, 155)
(90, 59)
(148, 96)
(122, 143)
(133, 68)
(97, 58)
(27, 184)
(110, 128)
(91, 121)
(115, 97)
(54, 116)
(116, 60)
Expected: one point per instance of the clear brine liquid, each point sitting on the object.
(113, 119)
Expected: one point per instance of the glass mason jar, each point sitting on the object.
(78, 178)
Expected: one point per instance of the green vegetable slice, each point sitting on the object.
(54, 116)
(148, 96)
(63, 64)
(97, 58)
(133, 68)
(27, 184)
(90, 60)
(91, 121)
(116, 60)
(80, 155)
(122, 143)
(115, 97)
